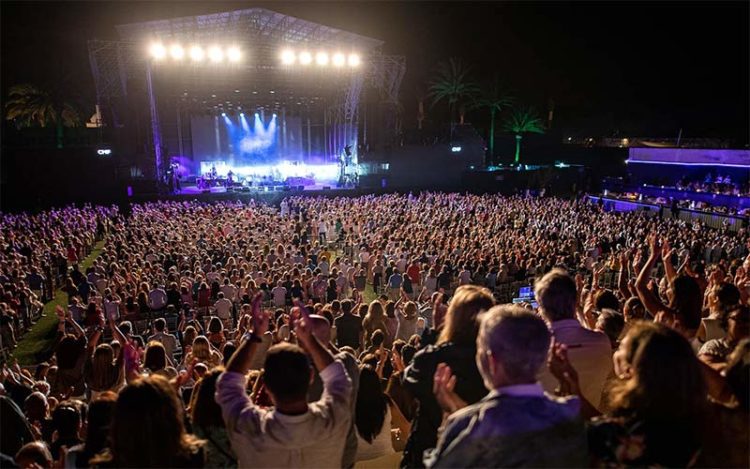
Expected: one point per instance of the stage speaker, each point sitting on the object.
(287, 188)
(206, 191)
(300, 188)
(326, 188)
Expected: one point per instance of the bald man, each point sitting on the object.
(322, 331)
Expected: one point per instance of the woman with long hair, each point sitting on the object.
(98, 421)
(202, 351)
(148, 429)
(375, 416)
(374, 320)
(104, 370)
(456, 347)
(208, 423)
(659, 407)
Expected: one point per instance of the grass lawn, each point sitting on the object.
(35, 344)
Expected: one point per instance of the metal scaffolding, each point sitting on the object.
(117, 66)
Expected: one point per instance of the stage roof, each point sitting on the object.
(249, 24)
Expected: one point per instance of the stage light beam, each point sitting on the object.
(354, 60)
(215, 54)
(197, 54)
(339, 60)
(177, 52)
(234, 54)
(305, 58)
(321, 58)
(287, 57)
(158, 51)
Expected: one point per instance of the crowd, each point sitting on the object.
(376, 331)
(40, 254)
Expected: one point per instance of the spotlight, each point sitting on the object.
(177, 52)
(305, 58)
(158, 51)
(321, 58)
(234, 54)
(354, 60)
(287, 57)
(338, 60)
(215, 54)
(242, 114)
(223, 114)
(197, 54)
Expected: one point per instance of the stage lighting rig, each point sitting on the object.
(321, 58)
(197, 54)
(339, 59)
(305, 58)
(158, 51)
(215, 54)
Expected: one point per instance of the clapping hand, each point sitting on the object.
(561, 368)
(443, 386)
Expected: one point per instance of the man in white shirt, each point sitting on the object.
(293, 433)
(223, 308)
(589, 352)
(229, 290)
(161, 335)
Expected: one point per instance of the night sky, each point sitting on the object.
(635, 68)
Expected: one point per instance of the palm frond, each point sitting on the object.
(524, 120)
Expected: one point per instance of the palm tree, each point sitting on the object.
(495, 97)
(29, 105)
(452, 84)
(523, 121)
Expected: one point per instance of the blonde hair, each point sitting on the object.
(461, 325)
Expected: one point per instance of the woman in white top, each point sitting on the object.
(376, 417)
(721, 298)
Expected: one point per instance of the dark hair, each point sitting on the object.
(204, 411)
(227, 352)
(66, 419)
(214, 325)
(68, 351)
(346, 306)
(377, 338)
(160, 324)
(687, 301)
(287, 372)
(156, 357)
(407, 353)
(611, 323)
(605, 299)
(666, 393)
(372, 405)
(98, 424)
(148, 428)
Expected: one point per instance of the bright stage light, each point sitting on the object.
(305, 58)
(338, 60)
(234, 54)
(287, 57)
(215, 54)
(177, 52)
(354, 60)
(321, 58)
(197, 54)
(158, 51)
(223, 114)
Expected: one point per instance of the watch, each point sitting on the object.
(251, 337)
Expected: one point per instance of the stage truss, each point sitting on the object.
(119, 65)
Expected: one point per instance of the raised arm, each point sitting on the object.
(242, 358)
(666, 258)
(650, 300)
(622, 281)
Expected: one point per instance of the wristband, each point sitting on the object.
(247, 336)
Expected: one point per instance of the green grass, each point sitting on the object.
(35, 345)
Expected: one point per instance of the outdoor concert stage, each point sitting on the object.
(264, 95)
